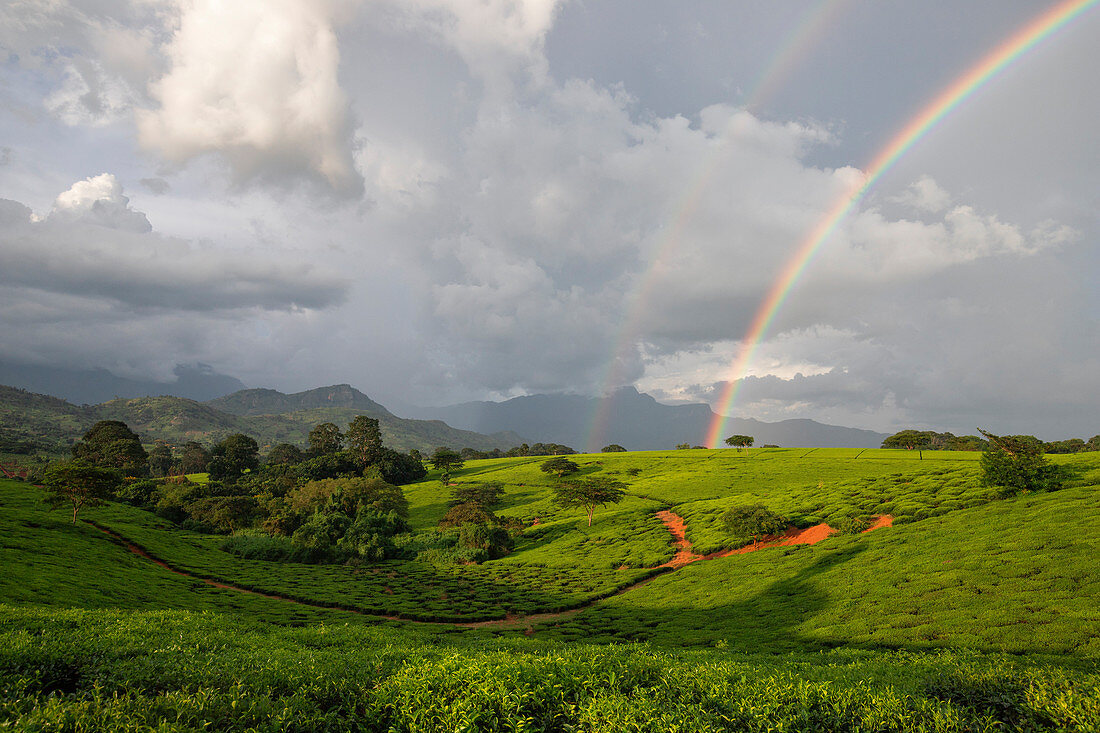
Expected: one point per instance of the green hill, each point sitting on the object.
(32, 423)
(972, 612)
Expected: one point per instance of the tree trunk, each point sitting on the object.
(590, 516)
(74, 513)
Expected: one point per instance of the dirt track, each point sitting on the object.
(675, 523)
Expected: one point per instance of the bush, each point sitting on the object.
(753, 521)
(1016, 463)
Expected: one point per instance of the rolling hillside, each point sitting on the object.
(38, 423)
(973, 612)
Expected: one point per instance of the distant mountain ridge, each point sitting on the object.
(32, 422)
(93, 386)
(273, 402)
(636, 421)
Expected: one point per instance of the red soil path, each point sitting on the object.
(674, 522)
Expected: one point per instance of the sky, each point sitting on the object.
(445, 200)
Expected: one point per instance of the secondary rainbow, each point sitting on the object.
(796, 45)
(1015, 46)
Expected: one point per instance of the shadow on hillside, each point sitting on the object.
(767, 621)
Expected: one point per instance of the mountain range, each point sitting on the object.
(634, 420)
(32, 422)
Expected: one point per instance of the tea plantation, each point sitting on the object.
(972, 612)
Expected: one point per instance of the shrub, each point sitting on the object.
(753, 521)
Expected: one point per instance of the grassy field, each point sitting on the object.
(972, 613)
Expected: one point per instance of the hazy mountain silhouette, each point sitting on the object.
(92, 386)
(634, 420)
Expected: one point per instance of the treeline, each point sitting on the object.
(337, 501)
(536, 449)
(930, 440)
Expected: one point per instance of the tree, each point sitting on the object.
(284, 454)
(365, 440)
(486, 495)
(325, 439)
(740, 441)
(613, 448)
(194, 458)
(80, 484)
(560, 466)
(1016, 463)
(589, 493)
(232, 457)
(111, 444)
(754, 520)
(683, 446)
(446, 460)
(160, 459)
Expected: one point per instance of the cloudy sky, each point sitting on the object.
(442, 200)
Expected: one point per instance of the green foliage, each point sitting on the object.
(486, 494)
(613, 448)
(349, 496)
(364, 438)
(1016, 463)
(467, 513)
(284, 454)
(233, 457)
(173, 670)
(589, 493)
(930, 440)
(80, 485)
(559, 466)
(194, 458)
(111, 444)
(754, 521)
(740, 441)
(325, 439)
(446, 460)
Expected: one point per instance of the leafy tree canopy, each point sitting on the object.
(325, 439)
(559, 466)
(739, 441)
(364, 436)
(232, 457)
(753, 520)
(112, 444)
(79, 484)
(486, 494)
(613, 448)
(1016, 463)
(446, 460)
(283, 454)
(589, 493)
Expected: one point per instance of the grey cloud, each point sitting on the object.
(100, 248)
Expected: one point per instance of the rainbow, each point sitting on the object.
(1011, 49)
(803, 37)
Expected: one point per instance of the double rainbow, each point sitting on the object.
(1011, 49)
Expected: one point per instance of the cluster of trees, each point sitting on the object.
(931, 440)
(1015, 463)
(535, 449)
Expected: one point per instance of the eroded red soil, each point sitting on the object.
(674, 522)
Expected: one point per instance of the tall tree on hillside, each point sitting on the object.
(588, 494)
(232, 457)
(325, 439)
(160, 459)
(194, 458)
(364, 437)
(1016, 463)
(80, 484)
(112, 444)
(445, 460)
(740, 441)
(559, 466)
